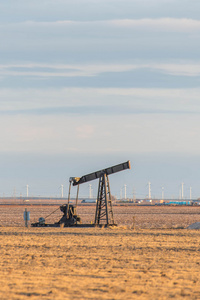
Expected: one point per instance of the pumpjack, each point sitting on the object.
(104, 212)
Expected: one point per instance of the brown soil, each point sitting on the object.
(106, 263)
(93, 263)
(142, 216)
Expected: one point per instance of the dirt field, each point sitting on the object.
(144, 216)
(72, 263)
(151, 261)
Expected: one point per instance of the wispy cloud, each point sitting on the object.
(102, 110)
(159, 24)
(141, 134)
(102, 78)
(147, 24)
(99, 101)
(88, 70)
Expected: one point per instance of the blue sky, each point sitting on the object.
(89, 84)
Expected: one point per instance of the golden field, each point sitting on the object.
(93, 263)
(108, 263)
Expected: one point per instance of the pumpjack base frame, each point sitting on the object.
(75, 225)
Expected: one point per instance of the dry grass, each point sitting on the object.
(117, 263)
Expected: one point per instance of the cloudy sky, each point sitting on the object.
(86, 84)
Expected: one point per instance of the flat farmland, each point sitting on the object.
(94, 263)
(155, 259)
(142, 216)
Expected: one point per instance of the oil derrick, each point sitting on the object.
(104, 212)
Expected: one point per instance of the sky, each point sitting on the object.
(87, 84)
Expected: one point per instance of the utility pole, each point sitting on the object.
(149, 183)
(190, 193)
(61, 190)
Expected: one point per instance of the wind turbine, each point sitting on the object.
(90, 191)
(162, 193)
(27, 186)
(125, 191)
(149, 184)
(190, 193)
(182, 193)
(61, 190)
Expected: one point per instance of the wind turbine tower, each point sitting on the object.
(162, 193)
(90, 191)
(27, 190)
(61, 190)
(149, 183)
(125, 191)
(134, 197)
(182, 194)
(121, 194)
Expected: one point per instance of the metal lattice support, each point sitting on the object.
(104, 210)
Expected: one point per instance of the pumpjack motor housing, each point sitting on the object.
(69, 218)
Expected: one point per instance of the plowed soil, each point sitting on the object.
(152, 257)
(142, 216)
